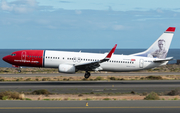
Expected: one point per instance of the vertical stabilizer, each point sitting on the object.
(160, 47)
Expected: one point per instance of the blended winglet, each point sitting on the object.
(95, 64)
(111, 52)
(171, 29)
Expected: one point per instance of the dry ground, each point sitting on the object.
(5, 70)
(92, 78)
(94, 97)
(166, 68)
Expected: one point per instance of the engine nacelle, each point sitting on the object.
(67, 68)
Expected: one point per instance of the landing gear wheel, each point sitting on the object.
(87, 74)
(19, 71)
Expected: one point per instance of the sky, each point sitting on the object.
(86, 24)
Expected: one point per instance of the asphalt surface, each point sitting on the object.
(93, 106)
(93, 86)
(88, 87)
(93, 74)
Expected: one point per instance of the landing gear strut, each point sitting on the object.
(19, 69)
(87, 74)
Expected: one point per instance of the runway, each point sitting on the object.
(93, 106)
(93, 86)
(93, 74)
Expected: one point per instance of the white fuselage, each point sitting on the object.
(116, 63)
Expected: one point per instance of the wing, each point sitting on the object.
(93, 65)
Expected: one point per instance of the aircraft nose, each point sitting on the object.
(5, 58)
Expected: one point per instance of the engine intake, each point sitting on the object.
(67, 68)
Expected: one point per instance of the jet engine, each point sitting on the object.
(67, 68)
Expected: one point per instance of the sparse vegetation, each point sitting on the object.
(67, 98)
(1, 79)
(46, 79)
(99, 78)
(80, 95)
(174, 92)
(92, 78)
(27, 99)
(132, 92)
(10, 95)
(41, 92)
(65, 79)
(3, 70)
(106, 99)
(166, 68)
(28, 79)
(154, 78)
(175, 98)
(88, 99)
(121, 79)
(46, 99)
(144, 93)
(152, 96)
(112, 78)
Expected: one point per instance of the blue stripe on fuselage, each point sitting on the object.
(43, 58)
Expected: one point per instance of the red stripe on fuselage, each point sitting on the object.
(32, 58)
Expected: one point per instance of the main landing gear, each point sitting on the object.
(87, 74)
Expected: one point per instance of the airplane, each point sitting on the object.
(71, 62)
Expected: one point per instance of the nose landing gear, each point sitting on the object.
(19, 70)
(87, 74)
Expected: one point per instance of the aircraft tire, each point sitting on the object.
(87, 74)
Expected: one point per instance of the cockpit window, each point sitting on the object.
(13, 54)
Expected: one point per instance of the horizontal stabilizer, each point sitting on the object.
(163, 60)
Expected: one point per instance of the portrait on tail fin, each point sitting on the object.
(159, 49)
(161, 52)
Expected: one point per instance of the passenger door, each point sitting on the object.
(23, 55)
(141, 63)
